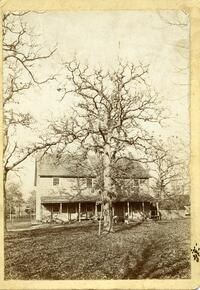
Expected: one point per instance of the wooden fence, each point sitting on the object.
(21, 218)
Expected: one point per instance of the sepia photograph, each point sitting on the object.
(96, 146)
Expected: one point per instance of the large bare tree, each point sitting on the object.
(112, 115)
(22, 56)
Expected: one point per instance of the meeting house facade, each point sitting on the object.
(67, 190)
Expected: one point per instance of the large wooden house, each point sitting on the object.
(67, 190)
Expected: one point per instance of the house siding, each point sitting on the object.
(66, 185)
(51, 198)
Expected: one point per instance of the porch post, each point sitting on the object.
(67, 212)
(79, 211)
(51, 211)
(95, 213)
(132, 210)
(128, 209)
(143, 207)
(60, 207)
(86, 211)
(157, 207)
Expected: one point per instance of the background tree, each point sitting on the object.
(170, 168)
(111, 116)
(14, 199)
(179, 19)
(31, 202)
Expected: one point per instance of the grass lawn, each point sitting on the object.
(18, 225)
(138, 251)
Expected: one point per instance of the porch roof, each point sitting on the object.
(95, 198)
(136, 198)
(69, 199)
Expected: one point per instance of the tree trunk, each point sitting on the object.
(107, 211)
(107, 199)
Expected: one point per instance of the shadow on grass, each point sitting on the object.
(124, 227)
(54, 229)
(74, 228)
(69, 228)
(133, 273)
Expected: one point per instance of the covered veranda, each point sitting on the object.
(81, 208)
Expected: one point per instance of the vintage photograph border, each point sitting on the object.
(193, 8)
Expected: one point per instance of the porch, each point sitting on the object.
(79, 211)
(70, 211)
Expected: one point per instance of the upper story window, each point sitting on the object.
(55, 181)
(142, 180)
(89, 182)
(136, 182)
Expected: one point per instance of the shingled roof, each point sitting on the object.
(70, 198)
(127, 168)
(95, 198)
(51, 166)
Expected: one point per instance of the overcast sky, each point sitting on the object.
(100, 38)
